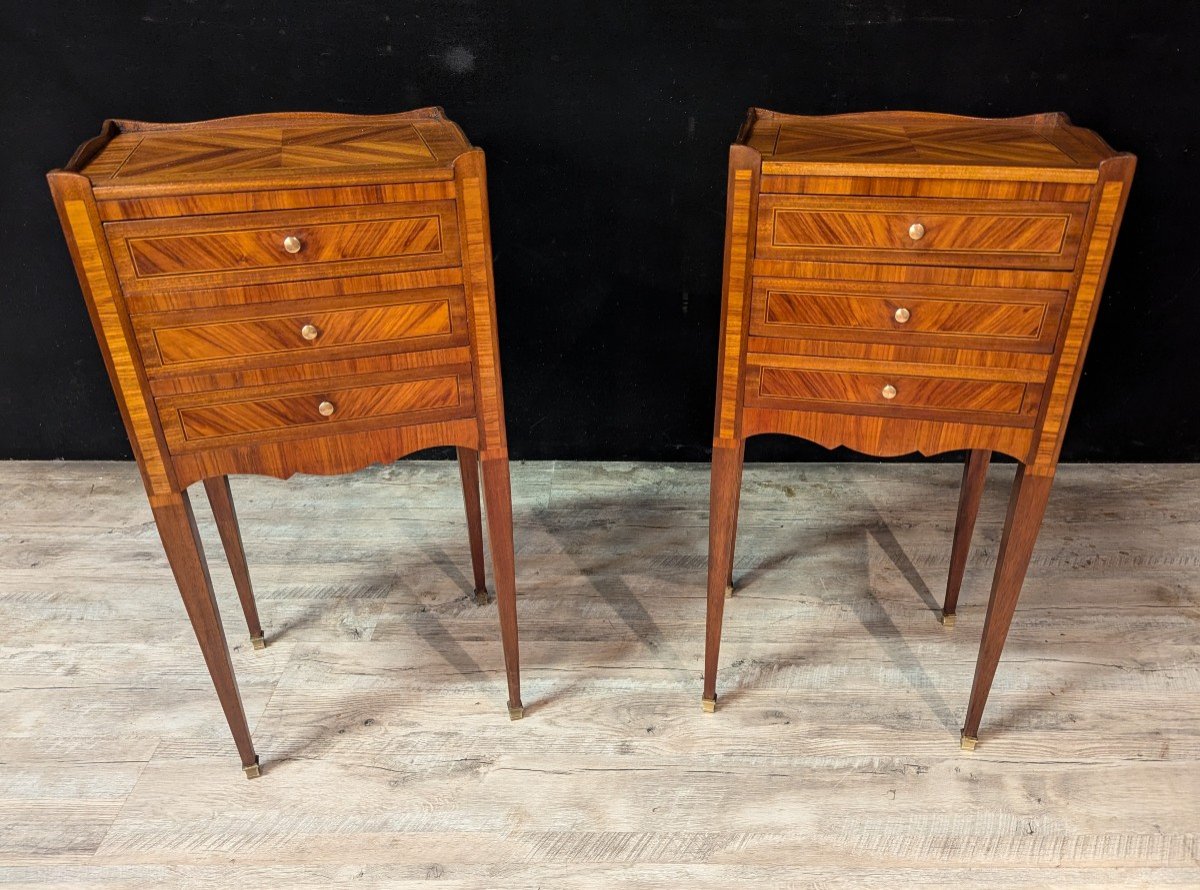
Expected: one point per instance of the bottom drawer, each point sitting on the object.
(311, 409)
(884, 393)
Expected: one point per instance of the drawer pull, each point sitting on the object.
(916, 231)
(326, 409)
(310, 332)
(902, 315)
(292, 244)
(889, 391)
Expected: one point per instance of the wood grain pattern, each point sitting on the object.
(220, 499)
(261, 415)
(970, 494)
(468, 470)
(1078, 330)
(949, 275)
(224, 251)
(741, 204)
(821, 312)
(1022, 321)
(94, 269)
(724, 493)
(248, 248)
(481, 300)
(138, 159)
(975, 233)
(285, 293)
(398, 323)
(343, 452)
(192, 422)
(920, 144)
(831, 760)
(181, 540)
(884, 436)
(497, 496)
(188, 152)
(872, 360)
(910, 392)
(1026, 506)
(918, 286)
(881, 186)
(335, 289)
(274, 199)
(268, 373)
(475, 223)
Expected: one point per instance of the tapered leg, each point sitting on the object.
(974, 477)
(737, 503)
(723, 490)
(220, 498)
(1026, 506)
(177, 529)
(497, 495)
(468, 465)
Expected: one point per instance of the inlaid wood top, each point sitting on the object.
(1044, 146)
(270, 150)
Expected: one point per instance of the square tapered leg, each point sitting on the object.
(177, 528)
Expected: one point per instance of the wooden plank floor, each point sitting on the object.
(378, 707)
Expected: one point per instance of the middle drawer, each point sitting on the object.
(1017, 319)
(192, 341)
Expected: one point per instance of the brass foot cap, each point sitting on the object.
(947, 619)
(967, 742)
(481, 596)
(728, 591)
(516, 712)
(709, 705)
(259, 642)
(252, 771)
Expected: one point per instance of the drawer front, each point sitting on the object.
(249, 248)
(1004, 318)
(1035, 235)
(881, 392)
(305, 331)
(311, 410)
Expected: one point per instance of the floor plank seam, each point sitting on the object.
(132, 788)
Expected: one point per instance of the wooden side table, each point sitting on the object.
(289, 293)
(902, 282)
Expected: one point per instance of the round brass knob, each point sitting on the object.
(292, 244)
(902, 315)
(916, 231)
(326, 409)
(310, 332)
(889, 391)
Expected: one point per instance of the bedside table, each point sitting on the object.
(292, 293)
(903, 282)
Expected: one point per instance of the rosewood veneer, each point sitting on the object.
(903, 282)
(289, 293)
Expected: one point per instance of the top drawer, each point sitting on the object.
(250, 248)
(1021, 234)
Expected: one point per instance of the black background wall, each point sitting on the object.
(606, 127)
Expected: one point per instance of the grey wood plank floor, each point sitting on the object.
(378, 707)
